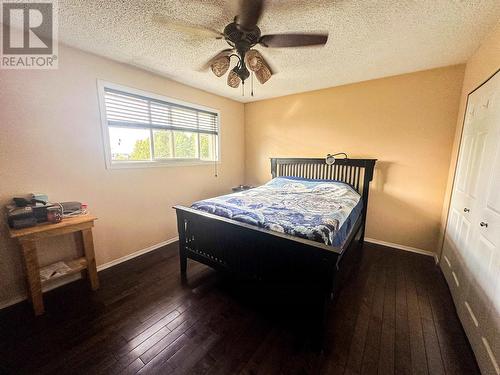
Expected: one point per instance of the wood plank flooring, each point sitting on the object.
(394, 316)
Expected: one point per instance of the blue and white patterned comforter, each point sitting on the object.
(323, 211)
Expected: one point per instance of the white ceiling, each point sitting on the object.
(368, 38)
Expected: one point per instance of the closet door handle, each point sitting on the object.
(466, 209)
(483, 224)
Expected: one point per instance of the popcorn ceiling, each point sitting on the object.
(368, 39)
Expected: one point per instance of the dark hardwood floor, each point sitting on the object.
(395, 315)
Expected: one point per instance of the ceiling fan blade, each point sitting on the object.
(293, 40)
(249, 12)
(187, 27)
(224, 52)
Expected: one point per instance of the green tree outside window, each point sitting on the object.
(185, 144)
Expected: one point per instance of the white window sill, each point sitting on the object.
(158, 163)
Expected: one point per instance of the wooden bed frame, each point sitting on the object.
(250, 252)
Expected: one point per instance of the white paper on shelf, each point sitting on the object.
(54, 270)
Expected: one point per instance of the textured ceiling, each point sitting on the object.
(368, 39)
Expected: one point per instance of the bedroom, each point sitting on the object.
(385, 80)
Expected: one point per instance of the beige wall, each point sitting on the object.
(50, 141)
(483, 64)
(407, 122)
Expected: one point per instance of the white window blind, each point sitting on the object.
(131, 110)
(144, 130)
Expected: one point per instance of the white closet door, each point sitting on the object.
(472, 244)
(482, 299)
(464, 203)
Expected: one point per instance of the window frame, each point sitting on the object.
(170, 162)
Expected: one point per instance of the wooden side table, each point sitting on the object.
(27, 238)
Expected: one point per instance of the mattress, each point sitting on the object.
(318, 210)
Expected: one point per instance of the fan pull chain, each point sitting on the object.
(252, 85)
(242, 88)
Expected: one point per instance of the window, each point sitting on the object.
(146, 129)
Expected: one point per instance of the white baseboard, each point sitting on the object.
(71, 278)
(404, 247)
(12, 301)
(136, 254)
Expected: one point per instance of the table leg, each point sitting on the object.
(79, 245)
(88, 250)
(32, 270)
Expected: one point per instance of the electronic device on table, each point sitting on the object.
(24, 213)
(241, 188)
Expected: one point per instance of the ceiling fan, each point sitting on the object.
(242, 35)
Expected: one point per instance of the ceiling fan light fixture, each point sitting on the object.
(232, 79)
(220, 66)
(263, 74)
(242, 35)
(253, 60)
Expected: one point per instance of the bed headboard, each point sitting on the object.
(356, 172)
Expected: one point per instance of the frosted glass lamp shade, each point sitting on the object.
(233, 80)
(253, 60)
(263, 74)
(220, 66)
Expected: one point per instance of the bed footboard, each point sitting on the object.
(253, 253)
